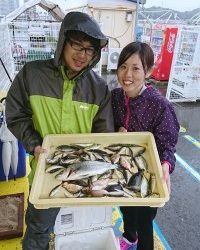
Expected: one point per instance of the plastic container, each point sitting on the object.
(85, 228)
(43, 183)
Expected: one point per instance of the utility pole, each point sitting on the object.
(136, 20)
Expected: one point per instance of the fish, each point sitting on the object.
(70, 195)
(144, 187)
(136, 151)
(66, 148)
(135, 182)
(53, 168)
(115, 158)
(100, 184)
(141, 162)
(124, 162)
(71, 187)
(152, 184)
(88, 168)
(55, 190)
(62, 176)
(99, 193)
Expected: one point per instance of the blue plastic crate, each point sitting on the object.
(21, 167)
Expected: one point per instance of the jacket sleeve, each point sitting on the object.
(166, 132)
(103, 121)
(19, 113)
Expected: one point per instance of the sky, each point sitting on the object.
(179, 5)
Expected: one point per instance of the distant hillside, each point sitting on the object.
(156, 12)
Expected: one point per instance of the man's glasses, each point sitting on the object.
(78, 47)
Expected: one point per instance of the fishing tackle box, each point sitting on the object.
(43, 183)
(85, 228)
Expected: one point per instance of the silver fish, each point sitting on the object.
(152, 183)
(144, 187)
(135, 182)
(141, 162)
(99, 193)
(55, 190)
(62, 176)
(72, 188)
(53, 169)
(136, 151)
(89, 168)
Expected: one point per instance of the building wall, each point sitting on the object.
(115, 25)
(73, 5)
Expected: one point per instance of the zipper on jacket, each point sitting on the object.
(127, 115)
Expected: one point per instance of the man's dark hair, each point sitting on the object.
(81, 36)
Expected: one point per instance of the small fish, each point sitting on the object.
(128, 192)
(144, 187)
(53, 169)
(114, 187)
(100, 184)
(152, 183)
(105, 175)
(125, 163)
(99, 193)
(72, 188)
(136, 151)
(70, 195)
(62, 176)
(114, 147)
(116, 193)
(55, 190)
(89, 168)
(141, 162)
(66, 148)
(53, 160)
(135, 182)
(117, 174)
(128, 175)
(92, 156)
(153, 195)
(69, 161)
(134, 168)
(115, 158)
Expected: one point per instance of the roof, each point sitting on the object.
(53, 8)
(112, 4)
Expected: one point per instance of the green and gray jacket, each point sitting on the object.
(42, 100)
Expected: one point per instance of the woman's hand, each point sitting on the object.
(122, 129)
(38, 150)
(166, 175)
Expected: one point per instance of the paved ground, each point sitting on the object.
(179, 219)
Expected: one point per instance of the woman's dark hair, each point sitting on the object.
(144, 51)
(81, 36)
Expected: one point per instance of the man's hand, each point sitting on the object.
(166, 175)
(38, 150)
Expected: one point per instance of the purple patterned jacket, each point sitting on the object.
(152, 112)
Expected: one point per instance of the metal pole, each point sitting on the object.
(5, 70)
(136, 20)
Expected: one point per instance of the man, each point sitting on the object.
(56, 96)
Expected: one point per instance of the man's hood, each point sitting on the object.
(81, 22)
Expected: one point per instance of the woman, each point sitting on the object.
(138, 107)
